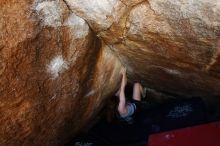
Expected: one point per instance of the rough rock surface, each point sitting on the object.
(172, 46)
(59, 60)
(54, 73)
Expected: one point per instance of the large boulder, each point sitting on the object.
(60, 60)
(54, 73)
(172, 46)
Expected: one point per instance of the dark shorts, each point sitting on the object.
(131, 117)
(138, 107)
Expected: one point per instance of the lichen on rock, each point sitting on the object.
(57, 66)
(50, 12)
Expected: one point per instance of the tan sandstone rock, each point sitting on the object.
(54, 73)
(60, 60)
(173, 46)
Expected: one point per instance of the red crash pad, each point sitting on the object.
(202, 135)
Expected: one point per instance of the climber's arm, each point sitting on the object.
(122, 100)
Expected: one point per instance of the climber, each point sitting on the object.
(127, 109)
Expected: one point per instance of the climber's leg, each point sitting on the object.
(137, 91)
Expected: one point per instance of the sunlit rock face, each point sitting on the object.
(54, 73)
(60, 60)
(172, 46)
